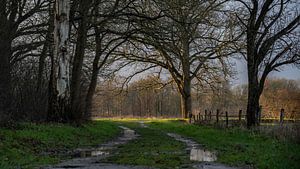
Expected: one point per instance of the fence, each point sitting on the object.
(235, 118)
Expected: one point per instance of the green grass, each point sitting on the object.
(25, 146)
(153, 148)
(239, 147)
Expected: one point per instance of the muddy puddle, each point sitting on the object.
(202, 155)
(197, 153)
(90, 157)
(104, 149)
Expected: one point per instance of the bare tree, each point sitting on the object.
(272, 41)
(19, 38)
(183, 37)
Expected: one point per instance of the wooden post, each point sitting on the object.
(281, 116)
(240, 116)
(205, 114)
(226, 118)
(217, 115)
(209, 115)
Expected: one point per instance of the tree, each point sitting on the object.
(105, 40)
(20, 35)
(186, 38)
(76, 109)
(59, 79)
(272, 41)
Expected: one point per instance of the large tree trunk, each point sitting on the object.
(59, 80)
(76, 106)
(186, 106)
(253, 95)
(186, 100)
(5, 78)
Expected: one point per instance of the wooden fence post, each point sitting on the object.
(281, 116)
(240, 116)
(205, 118)
(210, 115)
(226, 118)
(217, 115)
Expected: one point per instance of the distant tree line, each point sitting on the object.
(148, 98)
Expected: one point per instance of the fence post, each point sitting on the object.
(226, 118)
(217, 115)
(281, 116)
(210, 115)
(205, 115)
(240, 116)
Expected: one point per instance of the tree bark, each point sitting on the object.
(59, 78)
(186, 100)
(5, 78)
(93, 83)
(186, 106)
(253, 95)
(76, 106)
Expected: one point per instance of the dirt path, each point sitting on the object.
(197, 153)
(91, 158)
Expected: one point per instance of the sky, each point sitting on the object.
(287, 72)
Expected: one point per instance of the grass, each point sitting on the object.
(32, 145)
(239, 147)
(25, 147)
(153, 148)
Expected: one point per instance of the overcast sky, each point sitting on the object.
(288, 72)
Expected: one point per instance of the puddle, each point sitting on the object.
(129, 133)
(202, 155)
(90, 153)
(104, 149)
(142, 124)
(196, 152)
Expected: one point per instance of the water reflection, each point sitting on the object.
(104, 149)
(196, 153)
(91, 153)
(129, 133)
(202, 155)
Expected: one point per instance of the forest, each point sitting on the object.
(55, 54)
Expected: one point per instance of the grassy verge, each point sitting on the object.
(32, 145)
(239, 147)
(153, 148)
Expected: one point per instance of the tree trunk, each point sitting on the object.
(93, 84)
(59, 78)
(186, 100)
(76, 106)
(5, 78)
(253, 96)
(46, 49)
(186, 106)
